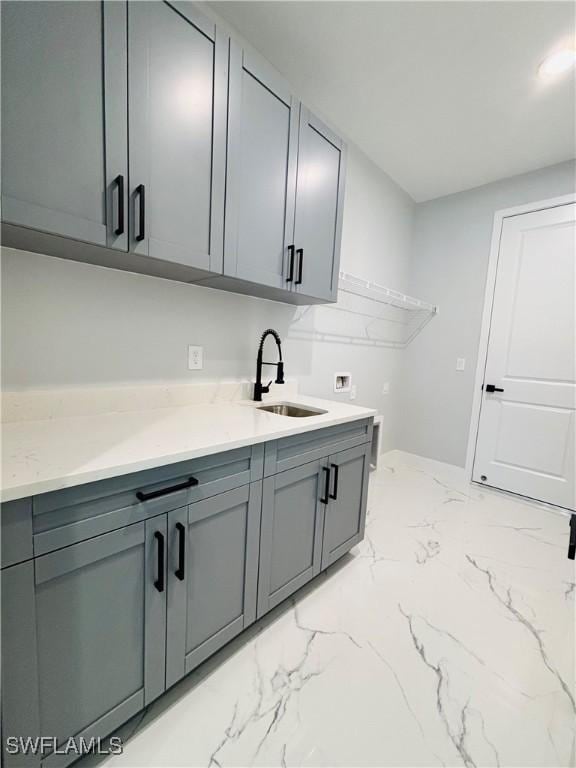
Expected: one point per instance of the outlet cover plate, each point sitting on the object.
(195, 358)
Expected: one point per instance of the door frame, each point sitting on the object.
(499, 217)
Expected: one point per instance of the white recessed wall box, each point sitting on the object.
(342, 382)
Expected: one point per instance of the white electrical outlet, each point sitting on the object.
(460, 363)
(195, 358)
(353, 392)
(386, 388)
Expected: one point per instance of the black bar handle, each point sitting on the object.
(300, 252)
(291, 267)
(492, 388)
(326, 496)
(141, 192)
(119, 181)
(572, 540)
(142, 496)
(334, 494)
(179, 572)
(159, 583)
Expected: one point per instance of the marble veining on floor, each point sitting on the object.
(446, 638)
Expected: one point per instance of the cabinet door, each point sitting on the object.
(212, 574)
(83, 636)
(178, 84)
(64, 119)
(291, 533)
(346, 512)
(261, 174)
(319, 208)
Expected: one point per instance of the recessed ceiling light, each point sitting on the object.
(558, 62)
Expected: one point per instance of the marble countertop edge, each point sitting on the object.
(49, 455)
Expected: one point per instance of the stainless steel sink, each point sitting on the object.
(288, 409)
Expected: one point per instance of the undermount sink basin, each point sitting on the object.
(287, 409)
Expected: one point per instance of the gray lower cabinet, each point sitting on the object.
(93, 630)
(345, 517)
(83, 629)
(311, 516)
(178, 70)
(212, 575)
(16, 536)
(291, 532)
(64, 118)
(319, 209)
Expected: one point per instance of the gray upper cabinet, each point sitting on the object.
(84, 630)
(178, 92)
(291, 532)
(261, 174)
(319, 208)
(346, 512)
(285, 189)
(212, 574)
(136, 135)
(64, 119)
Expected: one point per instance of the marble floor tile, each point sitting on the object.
(446, 638)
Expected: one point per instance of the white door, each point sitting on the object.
(526, 433)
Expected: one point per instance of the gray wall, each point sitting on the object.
(75, 325)
(449, 264)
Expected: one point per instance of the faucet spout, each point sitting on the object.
(259, 388)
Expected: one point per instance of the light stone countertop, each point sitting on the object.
(51, 454)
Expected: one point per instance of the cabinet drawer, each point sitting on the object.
(64, 517)
(299, 449)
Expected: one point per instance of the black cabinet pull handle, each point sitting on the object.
(572, 540)
(326, 496)
(141, 192)
(492, 388)
(300, 252)
(334, 494)
(179, 572)
(142, 496)
(119, 181)
(159, 583)
(291, 267)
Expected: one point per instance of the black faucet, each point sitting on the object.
(259, 388)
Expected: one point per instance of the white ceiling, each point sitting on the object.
(443, 96)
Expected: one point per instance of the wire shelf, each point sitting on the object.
(349, 283)
(366, 314)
